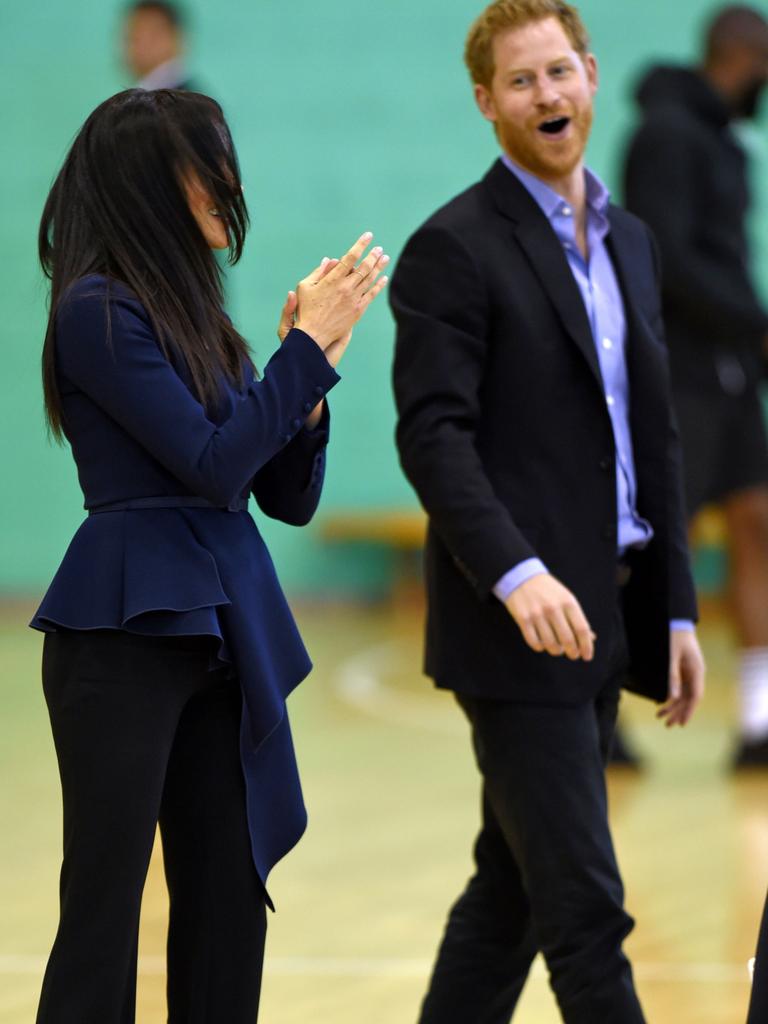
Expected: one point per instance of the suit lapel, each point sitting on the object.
(544, 252)
(645, 356)
(622, 248)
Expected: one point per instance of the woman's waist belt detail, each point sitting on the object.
(168, 501)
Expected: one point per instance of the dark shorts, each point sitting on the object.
(725, 448)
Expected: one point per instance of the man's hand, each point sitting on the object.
(550, 618)
(686, 678)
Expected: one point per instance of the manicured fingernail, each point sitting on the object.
(384, 259)
(384, 280)
(376, 250)
(324, 260)
(368, 235)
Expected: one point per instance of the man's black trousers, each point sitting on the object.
(546, 875)
(144, 732)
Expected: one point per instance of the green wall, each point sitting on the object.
(347, 116)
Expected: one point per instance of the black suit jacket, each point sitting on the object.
(504, 433)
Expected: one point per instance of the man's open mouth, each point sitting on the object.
(554, 125)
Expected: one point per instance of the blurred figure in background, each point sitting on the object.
(154, 45)
(686, 176)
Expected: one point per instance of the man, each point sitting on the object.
(153, 45)
(686, 176)
(535, 425)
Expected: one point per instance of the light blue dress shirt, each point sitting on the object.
(604, 304)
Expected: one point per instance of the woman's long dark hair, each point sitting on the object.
(118, 207)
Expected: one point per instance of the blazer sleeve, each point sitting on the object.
(130, 379)
(662, 166)
(682, 596)
(288, 487)
(441, 308)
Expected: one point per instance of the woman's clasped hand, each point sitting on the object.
(330, 300)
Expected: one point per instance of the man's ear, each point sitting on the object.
(485, 103)
(593, 75)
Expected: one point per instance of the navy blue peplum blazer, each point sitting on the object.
(168, 547)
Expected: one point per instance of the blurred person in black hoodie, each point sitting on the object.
(686, 176)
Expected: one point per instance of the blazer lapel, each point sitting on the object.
(544, 252)
(622, 248)
(646, 357)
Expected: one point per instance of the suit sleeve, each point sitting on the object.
(442, 312)
(682, 595)
(288, 487)
(662, 168)
(132, 381)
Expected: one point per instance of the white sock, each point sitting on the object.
(753, 692)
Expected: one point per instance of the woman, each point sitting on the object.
(169, 647)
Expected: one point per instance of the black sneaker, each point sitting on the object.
(622, 755)
(750, 754)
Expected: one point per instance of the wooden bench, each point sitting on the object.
(708, 528)
(403, 530)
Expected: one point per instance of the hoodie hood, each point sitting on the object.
(665, 86)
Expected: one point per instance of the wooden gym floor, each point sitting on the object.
(393, 799)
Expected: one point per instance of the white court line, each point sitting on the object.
(357, 682)
(410, 967)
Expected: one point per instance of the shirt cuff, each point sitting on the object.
(522, 572)
(682, 626)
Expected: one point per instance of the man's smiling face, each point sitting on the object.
(540, 98)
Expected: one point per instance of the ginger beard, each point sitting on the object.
(551, 144)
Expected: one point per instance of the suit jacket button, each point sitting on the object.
(307, 407)
(606, 462)
(296, 424)
(609, 533)
(287, 438)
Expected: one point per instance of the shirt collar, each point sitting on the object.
(165, 76)
(552, 203)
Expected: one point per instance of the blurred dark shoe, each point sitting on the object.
(750, 754)
(622, 754)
